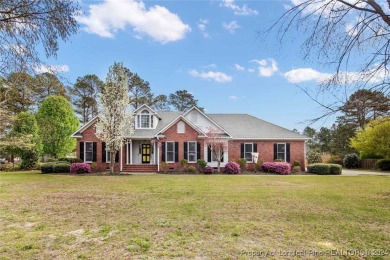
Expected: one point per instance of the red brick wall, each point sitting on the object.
(89, 136)
(266, 150)
(171, 135)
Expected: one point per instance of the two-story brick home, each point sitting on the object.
(172, 136)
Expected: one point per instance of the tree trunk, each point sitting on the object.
(112, 161)
(219, 165)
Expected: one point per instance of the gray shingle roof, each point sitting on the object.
(247, 126)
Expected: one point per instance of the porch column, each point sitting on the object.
(131, 152)
(127, 152)
(120, 158)
(158, 158)
(154, 154)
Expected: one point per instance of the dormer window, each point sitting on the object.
(145, 119)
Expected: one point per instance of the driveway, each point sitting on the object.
(346, 172)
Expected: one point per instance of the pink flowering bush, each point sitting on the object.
(277, 167)
(79, 168)
(232, 168)
(208, 170)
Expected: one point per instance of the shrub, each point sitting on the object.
(94, 167)
(325, 157)
(314, 157)
(183, 165)
(325, 169)
(47, 167)
(335, 159)
(70, 160)
(61, 167)
(232, 168)
(29, 160)
(278, 160)
(296, 169)
(79, 168)
(242, 162)
(191, 169)
(201, 165)
(351, 161)
(51, 160)
(251, 167)
(296, 163)
(208, 170)
(164, 167)
(383, 164)
(277, 167)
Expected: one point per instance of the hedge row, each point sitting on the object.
(383, 164)
(55, 167)
(325, 169)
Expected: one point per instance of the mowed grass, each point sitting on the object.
(190, 216)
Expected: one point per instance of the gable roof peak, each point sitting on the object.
(148, 107)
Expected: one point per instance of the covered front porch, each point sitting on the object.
(139, 155)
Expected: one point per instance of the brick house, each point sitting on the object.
(172, 136)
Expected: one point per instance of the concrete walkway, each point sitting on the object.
(356, 173)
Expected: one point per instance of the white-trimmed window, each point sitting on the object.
(145, 119)
(281, 151)
(214, 157)
(192, 151)
(248, 150)
(170, 152)
(88, 152)
(108, 156)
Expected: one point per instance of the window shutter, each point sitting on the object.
(82, 151)
(94, 148)
(254, 147)
(185, 150)
(197, 151)
(104, 152)
(223, 155)
(151, 121)
(176, 152)
(287, 152)
(163, 152)
(242, 150)
(208, 154)
(117, 156)
(275, 151)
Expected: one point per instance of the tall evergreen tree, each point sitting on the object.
(21, 95)
(84, 96)
(48, 84)
(161, 103)
(182, 100)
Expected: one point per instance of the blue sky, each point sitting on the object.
(210, 48)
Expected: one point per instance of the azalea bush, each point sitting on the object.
(208, 170)
(232, 168)
(277, 167)
(79, 168)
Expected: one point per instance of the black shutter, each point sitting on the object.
(208, 154)
(275, 151)
(197, 151)
(94, 151)
(287, 152)
(185, 150)
(223, 155)
(176, 152)
(242, 150)
(163, 152)
(254, 147)
(82, 151)
(104, 152)
(117, 156)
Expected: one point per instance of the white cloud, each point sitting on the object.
(324, 8)
(238, 10)
(106, 18)
(210, 66)
(231, 27)
(306, 74)
(233, 97)
(202, 27)
(267, 67)
(251, 70)
(216, 76)
(238, 67)
(51, 68)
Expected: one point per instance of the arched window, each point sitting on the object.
(145, 120)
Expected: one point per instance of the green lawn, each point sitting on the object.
(188, 216)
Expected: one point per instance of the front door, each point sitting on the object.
(145, 153)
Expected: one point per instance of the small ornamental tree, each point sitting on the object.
(115, 117)
(217, 144)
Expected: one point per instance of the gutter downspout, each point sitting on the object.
(120, 158)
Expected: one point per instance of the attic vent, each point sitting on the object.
(181, 127)
(194, 117)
